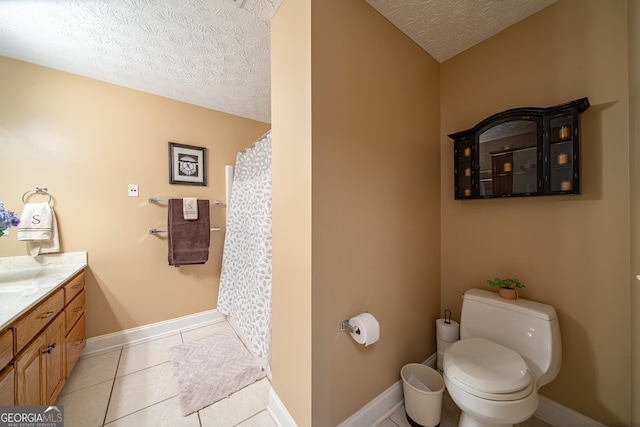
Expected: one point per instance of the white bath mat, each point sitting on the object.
(212, 368)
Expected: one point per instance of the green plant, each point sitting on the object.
(505, 283)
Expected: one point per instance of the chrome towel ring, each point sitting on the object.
(37, 190)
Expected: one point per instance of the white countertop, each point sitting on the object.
(25, 280)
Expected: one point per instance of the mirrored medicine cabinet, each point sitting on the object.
(520, 152)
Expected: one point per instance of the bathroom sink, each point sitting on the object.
(22, 287)
(25, 280)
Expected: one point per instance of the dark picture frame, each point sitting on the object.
(187, 164)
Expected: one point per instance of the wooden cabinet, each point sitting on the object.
(30, 374)
(75, 342)
(40, 369)
(31, 324)
(53, 353)
(75, 333)
(520, 152)
(46, 342)
(6, 348)
(7, 386)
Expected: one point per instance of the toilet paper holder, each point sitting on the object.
(346, 326)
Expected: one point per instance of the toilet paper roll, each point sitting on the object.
(439, 359)
(366, 329)
(449, 332)
(442, 345)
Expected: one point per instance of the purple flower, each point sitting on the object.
(7, 219)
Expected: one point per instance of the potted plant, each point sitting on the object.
(507, 287)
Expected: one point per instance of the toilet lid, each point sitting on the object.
(486, 366)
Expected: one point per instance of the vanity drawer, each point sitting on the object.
(75, 342)
(30, 325)
(74, 310)
(73, 287)
(6, 348)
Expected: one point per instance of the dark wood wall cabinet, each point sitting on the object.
(520, 152)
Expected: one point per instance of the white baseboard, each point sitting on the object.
(144, 333)
(379, 409)
(386, 403)
(560, 416)
(278, 411)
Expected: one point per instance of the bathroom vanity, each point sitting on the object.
(42, 325)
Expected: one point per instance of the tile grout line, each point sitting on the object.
(113, 384)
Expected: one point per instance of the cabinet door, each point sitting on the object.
(6, 348)
(76, 340)
(562, 164)
(464, 165)
(53, 353)
(508, 154)
(29, 371)
(7, 387)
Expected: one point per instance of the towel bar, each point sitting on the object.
(156, 200)
(156, 231)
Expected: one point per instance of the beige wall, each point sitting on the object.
(571, 251)
(356, 216)
(291, 207)
(374, 222)
(634, 134)
(86, 140)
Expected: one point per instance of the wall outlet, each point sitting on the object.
(133, 190)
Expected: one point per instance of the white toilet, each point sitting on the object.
(508, 349)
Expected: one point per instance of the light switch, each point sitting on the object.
(133, 190)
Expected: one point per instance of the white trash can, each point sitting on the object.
(423, 388)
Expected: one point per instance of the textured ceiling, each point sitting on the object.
(204, 52)
(213, 53)
(444, 28)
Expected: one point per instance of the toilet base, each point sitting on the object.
(415, 424)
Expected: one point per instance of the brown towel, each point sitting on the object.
(188, 239)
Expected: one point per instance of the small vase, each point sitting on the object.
(507, 293)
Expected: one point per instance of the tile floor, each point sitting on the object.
(133, 386)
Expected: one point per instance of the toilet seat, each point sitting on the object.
(487, 370)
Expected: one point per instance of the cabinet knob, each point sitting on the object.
(47, 315)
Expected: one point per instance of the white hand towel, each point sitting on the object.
(39, 227)
(36, 222)
(49, 246)
(190, 208)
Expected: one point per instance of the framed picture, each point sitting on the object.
(187, 164)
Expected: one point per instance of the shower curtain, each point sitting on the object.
(245, 279)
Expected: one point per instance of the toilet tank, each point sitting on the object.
(530, 328)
